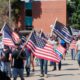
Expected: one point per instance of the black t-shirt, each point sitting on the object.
(18, 62)
(7, 52)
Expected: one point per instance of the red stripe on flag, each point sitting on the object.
(61, 49)
(8, 42)
(46, 53)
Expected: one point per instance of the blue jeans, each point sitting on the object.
(43, 66)
(51, 63)
(1, 62)
(7, 68)
(73, 54)
(28, 61)
(59, 66)
(17, 72)
(27, 65)
(1, 65)
(28, 54)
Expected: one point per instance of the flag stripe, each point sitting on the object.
(42, 49)
(9, 36)
(60, 50)
(43, 56)
(61, 31)
(8, 42)
(62, 36)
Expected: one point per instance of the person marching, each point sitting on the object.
(43, 62)
(63, 44)
(18, 64)
(7, 60)
(73, 48)
(28, 55)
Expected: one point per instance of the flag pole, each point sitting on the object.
(3, 26)
(52, 26)
(25, 43)
(28, 38)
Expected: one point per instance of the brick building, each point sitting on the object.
(44, 13)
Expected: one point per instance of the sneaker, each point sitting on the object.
(53, 69)
(28, 75)
(59, 69)
(46, 76)
(33, 70)
(42, 75)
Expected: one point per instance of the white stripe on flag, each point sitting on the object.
(46, 52)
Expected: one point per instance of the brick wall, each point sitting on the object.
(45, 12)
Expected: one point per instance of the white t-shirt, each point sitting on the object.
(53, 42)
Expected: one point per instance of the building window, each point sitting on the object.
(28, 15)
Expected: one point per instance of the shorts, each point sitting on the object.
(17, 72)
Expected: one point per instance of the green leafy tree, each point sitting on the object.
(16, 9)
(4, 8)
(73, 13)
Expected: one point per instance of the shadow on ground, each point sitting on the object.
(73, 69)
(66, 64)
(57, 75)
(41, 79)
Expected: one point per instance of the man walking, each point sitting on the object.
(18, 63)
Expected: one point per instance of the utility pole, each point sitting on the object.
(10, 12)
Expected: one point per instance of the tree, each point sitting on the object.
(73, 13)
(16, 9)
(4, 8)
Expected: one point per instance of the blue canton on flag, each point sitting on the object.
(7, 37)
(39, 41)
(41, 49)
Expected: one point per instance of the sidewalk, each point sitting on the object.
(70, 71)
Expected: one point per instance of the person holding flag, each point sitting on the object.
(43, 62)
(42, 50)
(61, 51)
(18, 65)
(28, 56)
(52, 40)
(7, 60)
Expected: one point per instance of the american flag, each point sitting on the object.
(9, 37)
(41, 49)
(44, 36)
(61, 31)
(60, 50)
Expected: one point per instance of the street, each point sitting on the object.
(70, 71)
